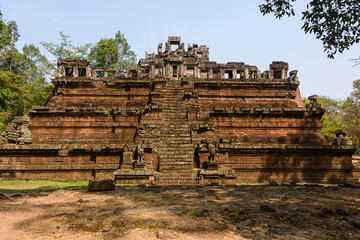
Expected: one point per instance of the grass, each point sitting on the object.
(297, 183)
(22, 186)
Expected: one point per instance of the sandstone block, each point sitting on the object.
(101, 184)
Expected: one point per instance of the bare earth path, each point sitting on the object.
(184, 212)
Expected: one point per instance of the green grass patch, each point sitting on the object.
(22, 186)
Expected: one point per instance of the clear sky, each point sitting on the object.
(234, 30)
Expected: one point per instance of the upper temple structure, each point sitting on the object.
(177, 117)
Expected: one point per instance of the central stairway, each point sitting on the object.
(175, 150)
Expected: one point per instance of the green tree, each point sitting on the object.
(35, 65)
(332, 120)
(10, 58)
(1, 24)
(351, 109)
(14, 93)
(5, 97)
(65, 49)
(335, 22)
(113, 52)
(22, 76)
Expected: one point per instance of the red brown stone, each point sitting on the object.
(175, 103)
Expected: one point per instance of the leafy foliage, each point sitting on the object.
(279, 8)
(341, 114)
(351, 109)
(1, 24)
(113, 52)
(332, 119)
(65, 49)
(5, 97)
(22, 76)
(335, 22)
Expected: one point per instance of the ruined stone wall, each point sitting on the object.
(189, 117)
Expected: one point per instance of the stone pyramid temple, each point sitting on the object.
(176, 116)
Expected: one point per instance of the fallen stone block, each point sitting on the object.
(101, 185)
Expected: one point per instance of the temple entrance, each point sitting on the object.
(175, 71)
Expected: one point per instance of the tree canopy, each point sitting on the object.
(66, 49)
(22, 75)
(113, 52)
(107, 52)
(335, 22)
(23, 72)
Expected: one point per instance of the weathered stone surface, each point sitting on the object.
(169, 117)
(101, 184)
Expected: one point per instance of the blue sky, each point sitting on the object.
(233, 30)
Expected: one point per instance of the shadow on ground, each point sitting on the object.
(249, 212)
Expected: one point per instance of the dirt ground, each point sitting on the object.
(184, 212)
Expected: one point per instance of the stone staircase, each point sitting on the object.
(175, 149)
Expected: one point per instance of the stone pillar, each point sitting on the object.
(160, 48)
(234, 73)
(76, 72)
(246, 73)
(152, 71)
(271, 74)
(196, 71)
(222, 73)
(167, 70)
(61, 71)
(181, 70)
(88, 72)
(210, 73)
(258, 74)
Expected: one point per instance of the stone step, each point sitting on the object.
(175, 91)
(175, 116)
(176, 121)
(177, 172)
(174, 133)
(185, 146)
(165, 161)
(176, 167)
(179, 129)
(173, 154)
(183, 151)
(175, 130)
(177, 158)
(175, 144)
(184, 138)
(168, 137)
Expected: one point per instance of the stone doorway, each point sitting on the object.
(174, 71)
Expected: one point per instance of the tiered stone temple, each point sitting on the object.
(177, 114)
